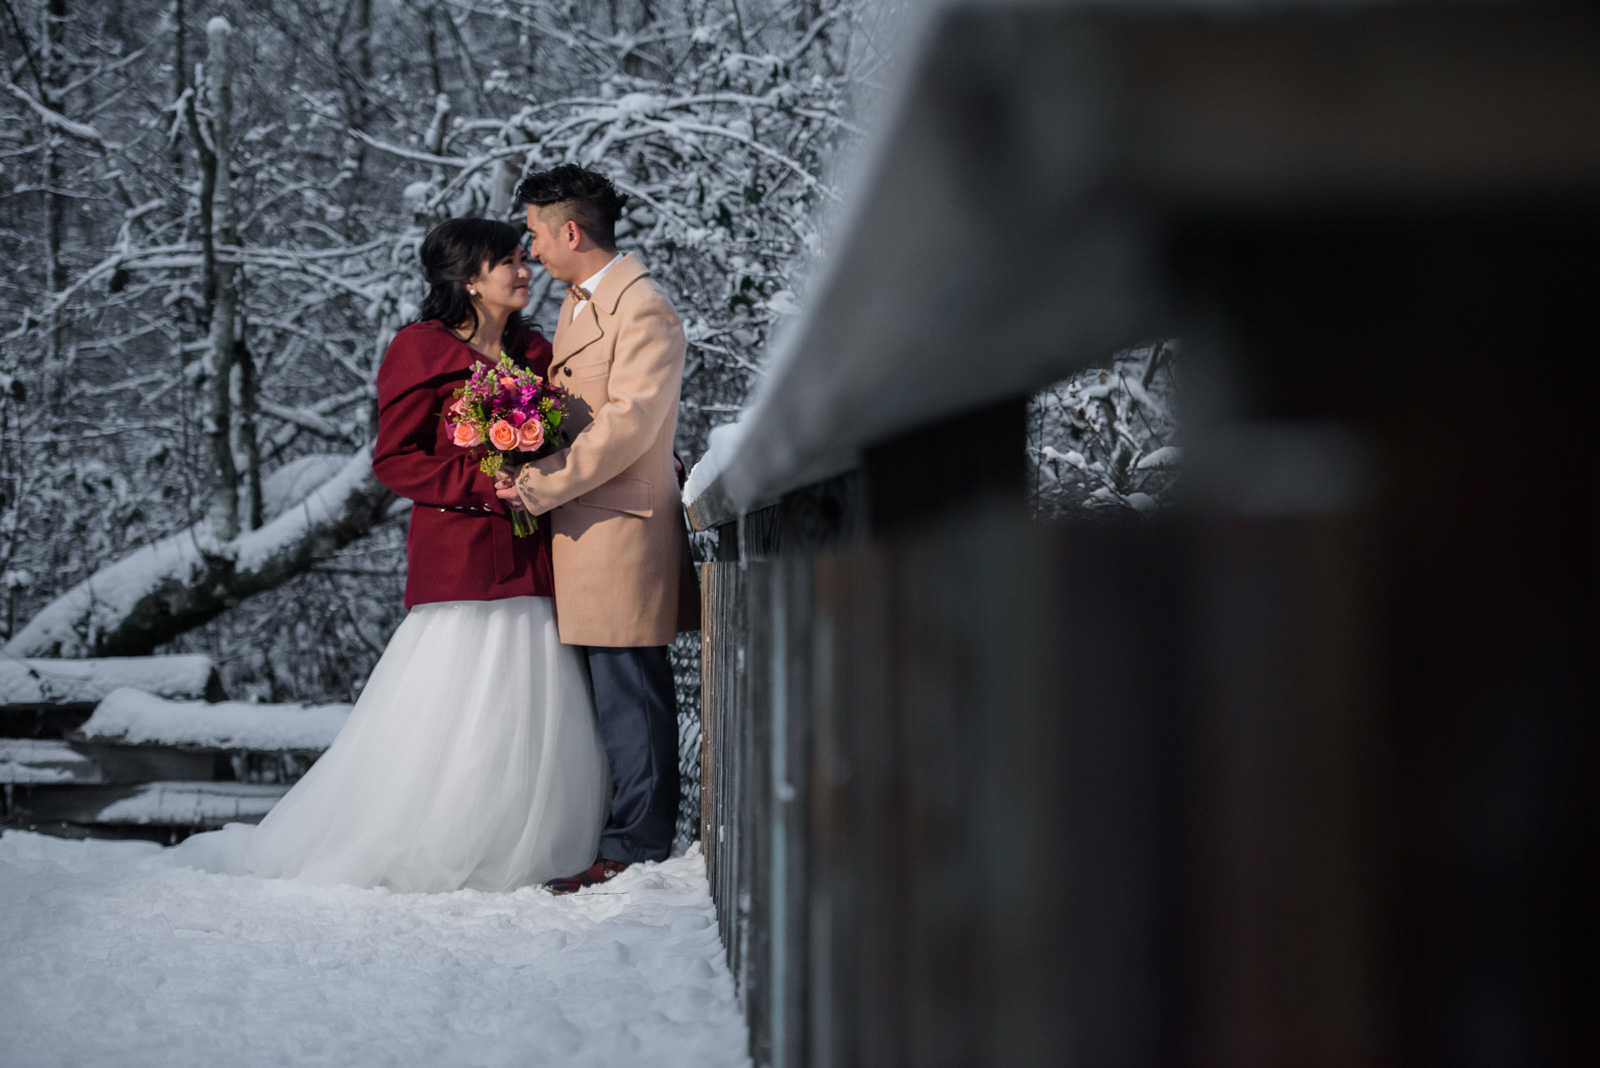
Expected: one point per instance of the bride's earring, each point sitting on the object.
(471, 291)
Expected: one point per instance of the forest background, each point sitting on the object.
(209, 223)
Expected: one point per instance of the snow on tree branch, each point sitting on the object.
(159, 591)
(56, 121)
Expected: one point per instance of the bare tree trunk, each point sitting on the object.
(469, 67)
(51, 91)
(364, 69)
(506, 172)
(55, 220)
(180, 73)
(355, 22)
(249, 445)
(224, 505)
(55, 24)
(430, 37)
(11, 496)
(434, 141)
(208, 186)
(525, 51)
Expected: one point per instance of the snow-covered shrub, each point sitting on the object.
(1103, 441)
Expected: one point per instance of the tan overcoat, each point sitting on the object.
(616, 518)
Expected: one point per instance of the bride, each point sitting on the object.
(472, 758)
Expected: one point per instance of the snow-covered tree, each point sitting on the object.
(353, 127)
(347, 129)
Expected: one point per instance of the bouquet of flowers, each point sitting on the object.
(507, 413)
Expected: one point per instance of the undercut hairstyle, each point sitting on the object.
(579, 195)
(453, 254)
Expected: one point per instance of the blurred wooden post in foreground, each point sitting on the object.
(1298, 772)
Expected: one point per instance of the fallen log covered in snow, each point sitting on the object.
(45, 761)
(165, 588)
(165, 767)
(87, 682)
(132, 717)
(168, 806)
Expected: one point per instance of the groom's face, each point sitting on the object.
(549, 244)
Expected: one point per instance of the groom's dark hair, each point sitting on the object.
(583, 196)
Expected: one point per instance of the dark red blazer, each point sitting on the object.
(460, 546)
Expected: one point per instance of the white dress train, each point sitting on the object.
(472, 759)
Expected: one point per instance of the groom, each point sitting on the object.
(612, 497)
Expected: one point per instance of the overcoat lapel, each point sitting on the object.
(574, 335)
(563, 317)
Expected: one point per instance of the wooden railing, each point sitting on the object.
(1287, 775)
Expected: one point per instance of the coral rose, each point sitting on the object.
(502, 435)
(466, 435)
(530, 435)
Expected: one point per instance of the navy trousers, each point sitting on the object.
(637, 701)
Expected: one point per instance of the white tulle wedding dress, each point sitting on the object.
(472, 759)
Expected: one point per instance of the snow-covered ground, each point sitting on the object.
(122, 954)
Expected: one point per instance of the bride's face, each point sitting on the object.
(503, 286)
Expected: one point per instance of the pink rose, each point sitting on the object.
(502, 435)
(530, 435)
(466, 435)
(508, 382)
(518, 418)
(456, 407)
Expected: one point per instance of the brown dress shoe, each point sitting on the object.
(601, 871)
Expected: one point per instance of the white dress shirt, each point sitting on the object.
(589, 284)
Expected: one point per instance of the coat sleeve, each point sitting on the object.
(406, 457)
(646, 371)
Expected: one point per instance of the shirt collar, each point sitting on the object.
(594, 279)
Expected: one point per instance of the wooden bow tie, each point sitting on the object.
(578, 293)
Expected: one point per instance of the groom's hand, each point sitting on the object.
(505, 487)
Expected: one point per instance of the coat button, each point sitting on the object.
(567, 371)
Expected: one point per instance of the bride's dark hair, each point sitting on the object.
(452, 255)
